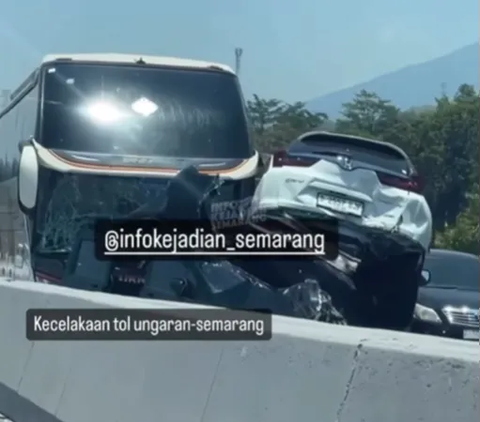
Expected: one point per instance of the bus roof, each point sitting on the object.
(136, 58)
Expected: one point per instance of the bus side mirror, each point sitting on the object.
(261, 160)
(23, 144)
(424, 278)
(27, 177)
(262, 165)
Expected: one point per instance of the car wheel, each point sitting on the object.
(394, 310)
(393, 285)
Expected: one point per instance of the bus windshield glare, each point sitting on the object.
(144, 111)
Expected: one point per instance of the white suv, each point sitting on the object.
(372, 189)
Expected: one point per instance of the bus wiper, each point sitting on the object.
(188, 196)
(191, 190)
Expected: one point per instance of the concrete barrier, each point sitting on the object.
(308, 372)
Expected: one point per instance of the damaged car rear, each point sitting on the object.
(373, 190)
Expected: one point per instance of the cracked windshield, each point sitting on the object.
(311, 165)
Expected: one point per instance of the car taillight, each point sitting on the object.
(282, 158)
(412, 184)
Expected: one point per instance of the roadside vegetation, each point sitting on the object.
(442, 141)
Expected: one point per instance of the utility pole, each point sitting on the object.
(238, 60)
(4, 97)
(443, 88)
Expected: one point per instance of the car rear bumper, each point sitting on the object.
(378, 242)
(358, 241)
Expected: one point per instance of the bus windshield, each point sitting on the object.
(68, 201)
(144, 110)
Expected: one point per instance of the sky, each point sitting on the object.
(293, 50)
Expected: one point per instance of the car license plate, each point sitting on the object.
(344, 206)
(471, 334)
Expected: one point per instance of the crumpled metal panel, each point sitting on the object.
(307, 299)
(386, 208)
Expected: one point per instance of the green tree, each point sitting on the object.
(367, 114)
(453, 131)
(298, 118)
(263, 113)
(464, 235)
(275, 123)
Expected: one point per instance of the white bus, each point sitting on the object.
(99, 134)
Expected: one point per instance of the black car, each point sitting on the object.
(448, 302)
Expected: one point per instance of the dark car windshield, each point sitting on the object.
(142, 110)
(461, 271)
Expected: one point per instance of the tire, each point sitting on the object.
(348, 302)
(393, 287)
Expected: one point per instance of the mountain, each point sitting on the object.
(413, 86)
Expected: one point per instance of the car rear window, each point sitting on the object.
(376, 154)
